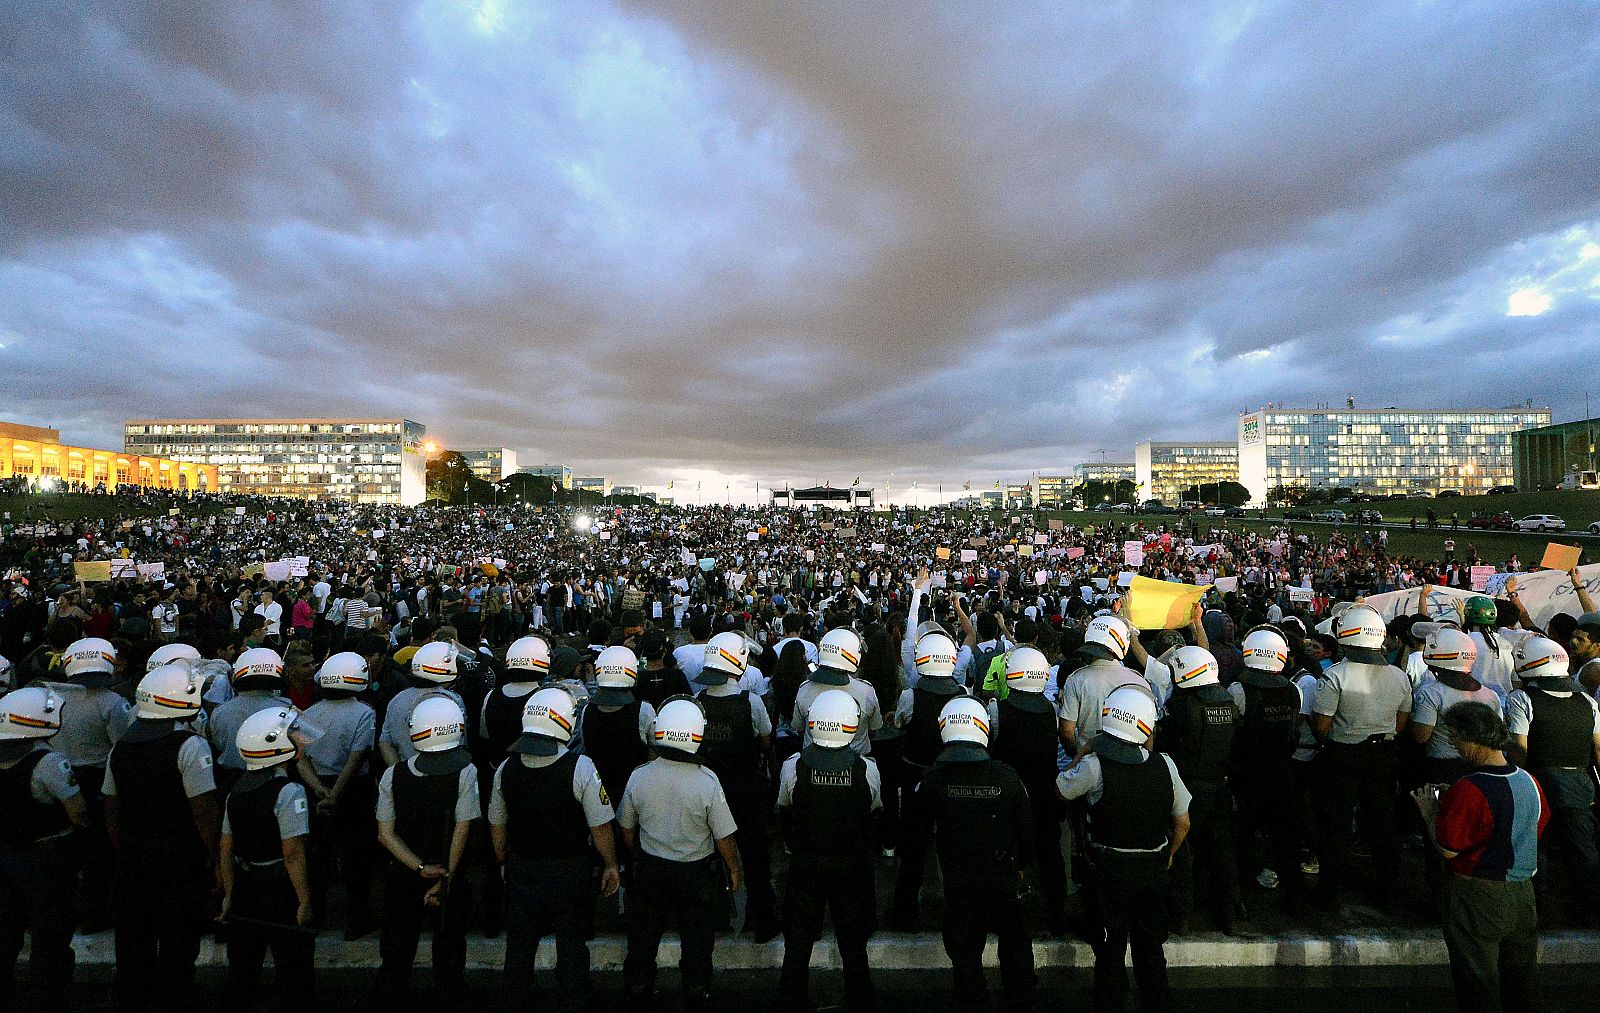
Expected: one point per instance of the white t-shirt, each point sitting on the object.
(272, 612)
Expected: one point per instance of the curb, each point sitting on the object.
(891, 951)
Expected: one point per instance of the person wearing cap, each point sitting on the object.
(977, 813)
(426, 807)
(1362, 704)
(840, 653)
(737, 747)
(433, 672)
(342, 789)
(916, 713)
(828, 796)
(1023, 735)
(164, 822)
(1487, 827)
(43, 807)
(1555, 736)
(263, 868)
(1138, 817)
(258, 685)
(616, 725)
(676, 822)
(549, 814)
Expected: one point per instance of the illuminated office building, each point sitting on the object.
(1164, 470)
(37, 455)
(491, 463)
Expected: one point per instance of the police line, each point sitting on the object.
(1544, 593)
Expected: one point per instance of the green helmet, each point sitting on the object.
(1481, 611)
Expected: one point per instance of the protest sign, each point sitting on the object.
(941, 552)
(92, 572)
(1560, 557)
(751, 536)
(152, 571)
(1226, 585)
(238, 511)
(1041, 539)
(688, 557)
(708, 564)
(878, 547)
(124, 568)
(276, 570)
(1024, 550)
(1161, 604)
(1075, 552)
(1495, 586)
(1125, 578)
(1480, 577)
(1544, 593)
(1057, 525)
(173, 512)
(969, 555)
(1302, 595)
(1133, 552)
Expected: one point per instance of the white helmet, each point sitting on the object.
(435, 661)
(680, 725)
(1360, 632)
(616, 672)
(171, 692)
(1027, 672)
(547, 722)
(727, 655)
(964, 721)
(1265, 650)
(1191, 667)
(833, 719)
(31, 713)
(6, 668)
(1451, 650)
(1129, 714)
(89, 656)
(1106, 637)
(840, 650)
(345, 672)
(258, 668)
(1541, 658)
(436, 724)
(264, 740)
(936, 656)
(528, 654)
(166, 654)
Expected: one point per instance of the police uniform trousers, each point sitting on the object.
(263, 893)
(1048, 811)
(348, 840)
(913, 850)
(161, 908)
(1210, 842)
(545, 897)
(96, 861)
(1356, 775)
(1491, 933)
(403, 919)
(842, 885)
(749, 810)
(1269, 824)
(37, 883)
(1570, 793)
(691, 893)
(978, 901)
(1129, 893)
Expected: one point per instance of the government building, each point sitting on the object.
(1164, 470)
(37, 455)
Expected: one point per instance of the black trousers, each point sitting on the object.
(1351, 778)
(97, 864)
(1129, 895)
(267, 895)
(842, 885)
(403, 918)
(691, 893)
(1210, 842)
(161, 907)
(347, 839)
(749, 809)
(891, 774)
(977, 902)
(1048, 812)
(1570, 794)
(913, 851)
(545, 897)
(1269, 824)
(37, 884)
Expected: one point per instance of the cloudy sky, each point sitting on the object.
(732, 243)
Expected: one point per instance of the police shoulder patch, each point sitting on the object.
(300, 807)
(604, 796)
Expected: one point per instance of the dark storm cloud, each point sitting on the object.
(793, 240)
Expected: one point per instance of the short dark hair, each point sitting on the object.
(1471, 721)
(700, 626)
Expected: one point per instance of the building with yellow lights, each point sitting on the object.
(38, 455)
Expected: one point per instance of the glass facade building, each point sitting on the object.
(1164, 470)
(1053, 491)
(491, 463)
(1103, 471)
(1380, 451)
(358, 460)
(559, 474)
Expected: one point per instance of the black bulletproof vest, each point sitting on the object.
(972, 813)
(26, 819)
(254, 823)
(832, 810)
(729, 746)
(612, 741)
(543, 819)
(1561, 733)
(1199, 733)
(1027, 744)
(922, 731)
(151, 801)
(502, 716)
(1266, 732)
(425, 811)
(1135, 808)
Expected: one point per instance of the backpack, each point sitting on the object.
(981, 678)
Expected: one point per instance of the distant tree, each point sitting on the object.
(537, 489)
(1094, 493)
(1220, 493)
(451, 480)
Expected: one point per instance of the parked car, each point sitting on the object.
(1540, 522)
(1236, 512)
(1121, 508)
(1448, 493)
(1215, 511)
(1419, 494)
(1331, 516)
(1368, 517)
(1594, 529)
(1501, 521)
(1501, 490)
(1298, 514)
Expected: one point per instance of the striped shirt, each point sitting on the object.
(355, 614)
(1492, 819)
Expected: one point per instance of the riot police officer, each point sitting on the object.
(738, 739)
(546, 806)
(1264, 740)
(164, 822)
(1023, 735)
(1138, 817)
(976, 810)
(343, 789)
(827, 797)
(434, 672)
(1449, 655)
(263, 866)
(838, 660)
(1198, 734)
(527, 664)
(675, 820)
(42, 807)
(1106, 641)
(917, 715)
(616, 725)
(258, 685)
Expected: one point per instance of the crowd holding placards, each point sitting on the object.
(235, 709)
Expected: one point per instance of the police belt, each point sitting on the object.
(1370, 740)
(1100, 849)
(276, 863)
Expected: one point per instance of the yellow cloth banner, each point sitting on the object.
(89, 573)
(1161, 604)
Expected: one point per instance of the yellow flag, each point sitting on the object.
(1161, 604)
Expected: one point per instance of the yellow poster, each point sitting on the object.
(1161, 604)
(88, 573)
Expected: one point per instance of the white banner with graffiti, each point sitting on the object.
(1544, 593)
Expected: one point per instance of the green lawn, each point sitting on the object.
(1579, 509)
(69, 507)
